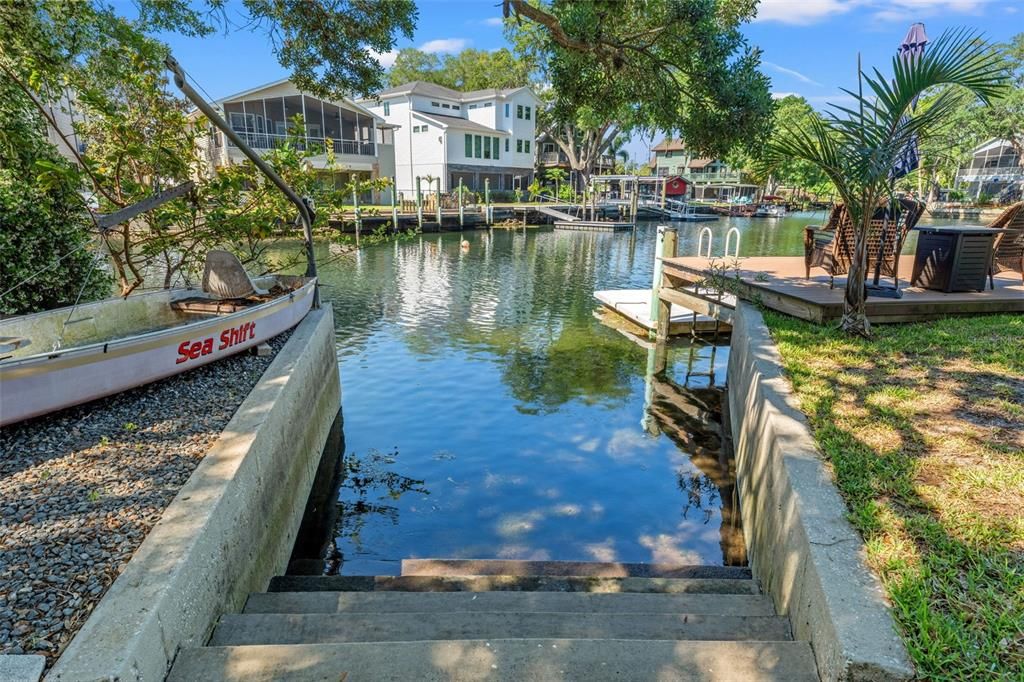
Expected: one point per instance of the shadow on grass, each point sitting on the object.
(897, 419)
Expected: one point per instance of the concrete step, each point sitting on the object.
(501, 660)
(528, 583)
(276, 628)
(523, 602)
(588, 569)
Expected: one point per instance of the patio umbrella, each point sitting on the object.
(912, 47)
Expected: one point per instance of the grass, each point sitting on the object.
(923, 426)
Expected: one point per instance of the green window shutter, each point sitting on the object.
(387, 108)
(519, 146)
(477, 147)
(469, 146)
(526, 146)
(527, 113)
(507, 142)
(487, 147)
(519, 111)
(496, 146)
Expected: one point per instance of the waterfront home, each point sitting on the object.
(995, 168)
(468, 136)
(362, 142)
(710, 179)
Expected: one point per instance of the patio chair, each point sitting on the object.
(1009, 246)
(831, 247)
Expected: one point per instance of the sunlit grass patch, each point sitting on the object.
(923, 426)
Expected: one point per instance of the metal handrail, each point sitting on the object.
(700, 241)
(728, 236)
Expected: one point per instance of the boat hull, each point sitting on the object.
(46, 382)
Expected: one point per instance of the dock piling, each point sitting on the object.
(488, 214)
(438, 202)
(462, 216)
(355, 204)
(661, 310)
(419, 204)
(394, 203)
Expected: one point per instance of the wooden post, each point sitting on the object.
(664, 191)
(438, 197)
(419, 204)
(394, 203)
(487, 201)
(661, 311)
(634, 202)
(355, 203)
(462, 217)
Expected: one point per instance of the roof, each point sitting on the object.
(428, 89)
(273, 84)
(669, 145)
(700, 163)
(445, 121)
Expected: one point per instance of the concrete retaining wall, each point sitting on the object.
(801, 547)
(229, 529)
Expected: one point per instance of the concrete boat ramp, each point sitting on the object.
(635, 306)
(506, 620)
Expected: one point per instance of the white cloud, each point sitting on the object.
(444, 45)
(386, 59)
(801, 12)
(790, 72)
(493, 21)
(782, 95)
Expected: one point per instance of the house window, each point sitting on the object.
(527, 113)
(526, 146)
(508, 109)
(496, 146)
(435, 104)
(469, 146)
(487, 147)
(519, 111)
(507, 143)
(477, 146)
(488, 104)
(387, 108)
(472, 106)
(519, 146)
(668, 155)
(456, 107)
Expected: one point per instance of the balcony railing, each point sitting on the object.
(990, 173)
(556, 158)
(312, 144)
(718, 176)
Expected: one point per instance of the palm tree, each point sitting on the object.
(858, 147)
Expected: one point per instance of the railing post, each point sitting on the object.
(394, 203)
(438, 208)
(355, 203)
(419, 204)
(665, 247)
(462, 217)
(487, 201)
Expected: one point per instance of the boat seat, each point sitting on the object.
(224, 277)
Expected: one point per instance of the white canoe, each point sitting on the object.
(114, 345)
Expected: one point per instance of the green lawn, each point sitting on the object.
(923, 426)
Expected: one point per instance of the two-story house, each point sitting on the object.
(468, 136)
(361, 142)
(995, 168)
(710, 179)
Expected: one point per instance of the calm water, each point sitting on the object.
(489, 414)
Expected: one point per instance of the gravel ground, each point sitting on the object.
(79, 491)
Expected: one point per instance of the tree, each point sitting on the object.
(1004, 119)
(467, 70)
(858, 148)
(680, 66)
(45, 229)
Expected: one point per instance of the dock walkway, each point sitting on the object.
(779, 283)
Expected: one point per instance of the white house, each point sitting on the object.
(995, 168)
(362, 142)
(451, 135)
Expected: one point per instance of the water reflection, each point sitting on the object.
(526, 429)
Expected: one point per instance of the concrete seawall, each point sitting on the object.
(229, 529)
(801, 547)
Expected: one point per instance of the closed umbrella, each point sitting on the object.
(912, 47)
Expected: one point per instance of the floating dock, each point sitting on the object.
(635, 306)
(594, 225)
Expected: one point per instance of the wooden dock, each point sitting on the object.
(778, 283)
(635, 306)
(594, 225)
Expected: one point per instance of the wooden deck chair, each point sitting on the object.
(1009, 246)
(831, 247)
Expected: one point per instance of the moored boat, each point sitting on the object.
(59, 358)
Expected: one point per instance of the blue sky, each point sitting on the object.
(809, 46)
